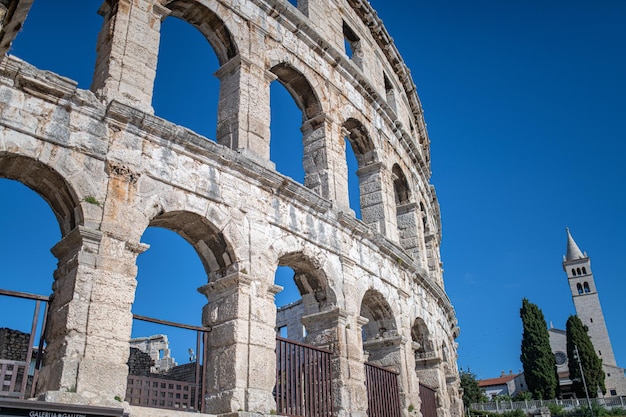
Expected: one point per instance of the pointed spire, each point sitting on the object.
(573, 252)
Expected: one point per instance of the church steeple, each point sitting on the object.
(577, 265)
(573, 252)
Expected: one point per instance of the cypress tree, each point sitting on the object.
(537, 357)
(576, 333)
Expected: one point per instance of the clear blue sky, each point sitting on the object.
(524, 102)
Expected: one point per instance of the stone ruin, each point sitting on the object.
(372, 288)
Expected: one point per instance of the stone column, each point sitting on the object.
(243, 116)
(90, 319)
(240, 360)
(373, 211)
(318, 175)
(406, 217)
(336, 331)
(127, 52)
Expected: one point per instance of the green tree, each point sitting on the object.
(471, 391)
(576, 333)
(537, 358)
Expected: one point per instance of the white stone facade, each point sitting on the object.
(371, 289)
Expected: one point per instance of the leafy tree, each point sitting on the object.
(471, 391)
(576, 333)
(537, 358)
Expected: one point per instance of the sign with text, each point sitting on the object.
(22, 408)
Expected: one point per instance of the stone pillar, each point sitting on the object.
(243, 115)
(318, 175)
(240, 359)
(90, 319)
(127, 52)
(373, 211)
(406, 217)
(334, 330)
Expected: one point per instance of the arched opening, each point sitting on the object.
(354, 193)
(31, 193)
(426, 357)
(170, 331)
(573, 272)
(584, 271)
(303, 371)
(578, 271)
(586, 286)
(27, 267)
(305, 292)
(406, 216)
(286, 149)
(61, 39)
(312, 128)
(380, 333)
(185, 90)
(168, 276)
(364, 177)
(579, 288)
(289, 307)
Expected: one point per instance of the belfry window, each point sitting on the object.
(573, 272)
(578, 271)
(584, 271)
(579, 288)
(586, 286)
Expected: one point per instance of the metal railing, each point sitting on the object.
(383, 396)
(428, 397)
(530, 405)
(17, 377)
(303, 380)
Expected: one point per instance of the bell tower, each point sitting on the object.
(577, 265)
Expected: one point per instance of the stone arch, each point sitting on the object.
(49, 184)
(209, 24)
(427, 357)
(216, 253)
(361, 141)
(315, 127)
(300, 89)
(381, 319)
(311, 281)
(406, 213)
(401, 189)
(369, 173)
(420, 335)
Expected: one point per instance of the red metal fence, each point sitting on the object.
(428, 397)
(303, 380)
(383, 397)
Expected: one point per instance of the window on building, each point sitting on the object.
(586, 286)
(584, 270)
(389, 92)
(352, 44)
(573, 272)
(579, 288)
(578, 271)
(282, 331)
(613, 392)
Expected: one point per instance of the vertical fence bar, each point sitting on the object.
(302, 380)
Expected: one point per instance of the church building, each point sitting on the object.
(577, 266)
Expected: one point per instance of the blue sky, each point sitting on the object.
(524, 103)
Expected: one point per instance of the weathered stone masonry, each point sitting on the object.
(372, 289)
